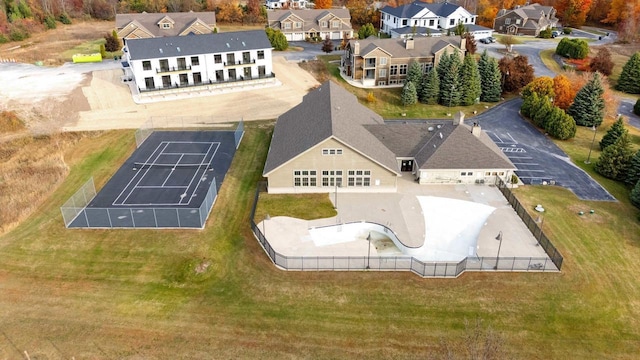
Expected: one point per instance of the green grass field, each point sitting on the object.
(137, 293)
(89, 47)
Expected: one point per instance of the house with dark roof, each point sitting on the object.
(330, 140)
(298, 25)
(525, 20)
(148, 25)
(420, 18)
(376, 62)
(188, 63)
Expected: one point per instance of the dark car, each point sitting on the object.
(487, 40)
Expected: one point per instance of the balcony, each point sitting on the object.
(239, 63)
(211, 85)
(169, 69)
(369, 63)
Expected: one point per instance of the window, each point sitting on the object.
(182, 63)
(298, 25)
(287, 26)
(359, 178)
(195, 61)
(428, 67)
(331, 177)
(335, 23)
(382, 83)
(403, 69)
(404, 22)
(304, 178)
(184, 79)
(452, 22)
(260, 54)
(146, 65)
(197, 78)
(231, 59)
(383, 61)
(246, 72)
(164, 65)
(166, 81)
(262, 71)
(383, 73)
(331, 151)
(166, 26)
(393, 82)
(431, 22)
(246, 57)
(393, 70)
(517, 21)
(217, 59)
(507, 21)
(323, 24)
(466, 173)
(149, 83)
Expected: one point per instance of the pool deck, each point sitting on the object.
(402, 213)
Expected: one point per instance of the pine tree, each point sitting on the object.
(560, 125)
(443, 63)
(614, 132)
(636, 107)
(366, 30)
(633, 172)
(409, 95)
(629, 80)
(469, 81)
(588, 106)
(635, 195)
(414, 74)
(430, 88)
(490, 78)
(450, 91)
(541, 112)
(527, 106)
(615, 159)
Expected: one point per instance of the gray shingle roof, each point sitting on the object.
(181, 21)
(410, 10)
(456, 148)
(418, 29)
(329, 111)
(171, 46)
(424, 46)
(310, 18)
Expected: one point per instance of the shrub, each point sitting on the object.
(567, 30)
(103, 52)
(64, 18)
(635, 196)
(545, 34)
(18, 34)
(111, 42)
(371, 98)
(3, 39)
(636, 108)
(50, 22)
(573, 48)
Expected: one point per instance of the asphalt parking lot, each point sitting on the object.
(538, 160)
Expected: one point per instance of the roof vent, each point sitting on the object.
(439, 126)
(160, 51)
(434, 146)
(440, 135)
(228, 45)
(243, 44)
(430, 128)
(178, 48)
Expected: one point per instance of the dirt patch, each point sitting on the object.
(317, 69)
(623, 49)
(48, 46)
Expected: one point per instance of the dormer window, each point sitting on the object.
(335, 23)
(165, 26)
(323, 24)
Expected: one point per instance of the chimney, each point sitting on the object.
(458, 118)
(408, 44)
(356, 48)
(476, 130)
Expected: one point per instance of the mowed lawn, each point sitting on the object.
(106, 294)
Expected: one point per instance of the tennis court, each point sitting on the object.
(170, 181)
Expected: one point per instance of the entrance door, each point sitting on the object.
(407, 165)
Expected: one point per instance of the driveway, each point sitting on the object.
(537, 158)
(309, 51)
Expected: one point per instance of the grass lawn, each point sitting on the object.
(88, 47)
(213, 293)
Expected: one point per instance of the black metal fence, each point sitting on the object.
(401, 263)
(531, 224)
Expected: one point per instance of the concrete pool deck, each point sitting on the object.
(401, 212)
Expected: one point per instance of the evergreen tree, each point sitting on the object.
(588, 106)
(490, 78)
(450, 91)
(560, 125)
(542, 112)
(633, 173)
(469, 81)
(528, 104)
(614, 132)
(629, 80)
(414, 74)
(443, 63)
(430, 88)
(635, 195)
(636, 107)
(615, 159)
(366, 30)
(409, 95)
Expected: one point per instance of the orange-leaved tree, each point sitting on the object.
(564, 92)
(324, 4)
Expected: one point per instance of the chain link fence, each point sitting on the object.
(77, 202)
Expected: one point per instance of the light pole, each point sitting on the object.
(369, 252)
(499, 237)
(595, 130)
(264, 229)
(335, 182)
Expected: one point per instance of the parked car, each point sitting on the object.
(488, 40)
(556, 33)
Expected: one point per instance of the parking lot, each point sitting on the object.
(537, 159)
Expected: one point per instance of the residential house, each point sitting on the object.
(149, 25)
(179, 62)
(525, 20)
(382, 62)
(286, 4)
(330, 140)
(299, 25)
(424, 18)
(478, 32)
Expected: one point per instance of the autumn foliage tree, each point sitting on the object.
(573, 12)
(563, 92)
(516, 72)
(602, 62)
(323, 4)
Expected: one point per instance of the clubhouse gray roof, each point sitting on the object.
(173, 46)
(423, 45)
(419, 30)
(310, 18)
(410, 10)
(441, 146)
(327, 112)
(181, 20)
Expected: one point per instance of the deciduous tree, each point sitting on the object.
(469, 81)
(573, 12)
(588, 106)
(470, 43)
(615, 131)
(516, 73)
(629, 80)
(543, 86)
(563, 92)
(366, 31)
(602, 62)
(327, 45)
(323, 4)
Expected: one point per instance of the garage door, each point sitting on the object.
(298, 36)
(335, 35)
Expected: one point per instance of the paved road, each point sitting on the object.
(537, 158)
